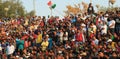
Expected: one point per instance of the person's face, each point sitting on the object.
(118, 43)
(55, 33)
(78, 31)
(60, 30)
(45, 40)
(94, 38)
(38, 32)
(44, 32)
(101, 54)
(105, 46)
(118, 14)
(114, 54)
(100, 46)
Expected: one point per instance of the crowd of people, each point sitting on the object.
(83, 36)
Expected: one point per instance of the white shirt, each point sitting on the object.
(104, 30)
(96, 41)
(112, 22)
(66, 38)
(10, 49)
(61, 36)
(105, 19)
(0, 48)
(84, 27)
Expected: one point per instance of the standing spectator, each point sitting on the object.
(103, 28)
(105, 18)
(26, 43)
(90, 9)
(10, 50)
(101, 55)
(79, 36)
(95, 41)
(55, 37)
(20, 45)
(45, 44)
(50, 42)
(61, 35)
(111, 25)
(117, 24)
(39, 39)
(114, 55)
(65, 37)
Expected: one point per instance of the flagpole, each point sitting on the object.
(34, 7)
(109, 3)
(51, 11)
(90, 1)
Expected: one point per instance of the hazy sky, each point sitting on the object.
(42, 8)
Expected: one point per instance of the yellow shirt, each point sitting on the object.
(44, 45)
(113, 45)
(39, 38)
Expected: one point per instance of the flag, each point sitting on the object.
(49, 3)
(53, 6)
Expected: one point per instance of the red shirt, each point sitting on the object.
(41, 23)
(26, 44)
(25, 37)
(79, 37)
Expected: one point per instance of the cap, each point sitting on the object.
(106, 15)
(59, 51)
(83, 24)
(109, 40)
(73, 40)
(47, 35)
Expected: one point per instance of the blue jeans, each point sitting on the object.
(117, 30)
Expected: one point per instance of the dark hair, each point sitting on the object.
(90, 4)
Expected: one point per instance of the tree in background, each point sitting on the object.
(76, 9)
(31, 13)
(11, 8)
(73, 10)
